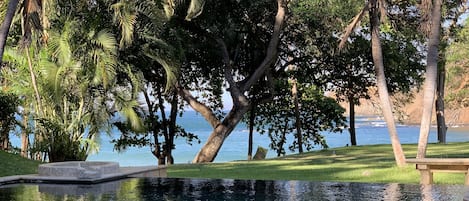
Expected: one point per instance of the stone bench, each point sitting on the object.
(427, 166)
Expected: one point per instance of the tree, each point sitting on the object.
(455, 9)
(381, 80)
(318, 113)
(376, 8)
(226, 47)
(430, 74)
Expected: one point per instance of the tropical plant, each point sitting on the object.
(152, 53)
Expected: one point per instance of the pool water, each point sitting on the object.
(226, 189)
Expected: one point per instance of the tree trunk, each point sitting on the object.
(252, 116)
(153, 129)
(24, 144)
(4, 141)
(353, 136)
(299, 136)
(430, 79)
(25, 137)
(440, 105)
(282, 138)
(172, 129)
(382, 86)
(214, 142)
(165, 128)
(5, 28)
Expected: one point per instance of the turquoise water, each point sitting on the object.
(370, 130)
(226, 189)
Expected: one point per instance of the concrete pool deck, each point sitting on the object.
(123, 172)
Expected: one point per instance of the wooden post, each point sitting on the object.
(466, 179)
(426, 175)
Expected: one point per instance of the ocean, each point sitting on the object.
(370, 130)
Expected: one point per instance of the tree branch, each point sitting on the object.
(352, 25)
(205, 111)
(272, 48)
(236, 95)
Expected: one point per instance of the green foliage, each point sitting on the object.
(317, 112)
(77, 73)
(60, 145)
(8, 107)
(457, 64)
(154, 59)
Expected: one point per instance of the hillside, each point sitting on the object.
(411, 110)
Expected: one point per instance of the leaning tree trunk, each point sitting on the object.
(5, 28)
(210, 149)
(430, 79)
(382, 86)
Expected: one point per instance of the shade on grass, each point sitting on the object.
(372, 163)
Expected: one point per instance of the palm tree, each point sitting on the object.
(376, 8)
(430, 75)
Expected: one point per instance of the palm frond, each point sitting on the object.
(126, 15)
(136, 80)
(169, 6)
(126, 107)
(59, 45)
(195, 9)
(52, 76)
(3, 9)
(171, 67)
(105, 40)
(104, 57)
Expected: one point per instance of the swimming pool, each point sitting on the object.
(226, 189)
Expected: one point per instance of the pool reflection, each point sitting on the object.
(225, 189)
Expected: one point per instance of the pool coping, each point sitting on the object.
(124, 172)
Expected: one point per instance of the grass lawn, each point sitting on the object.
(373, 163)
(14, 164)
